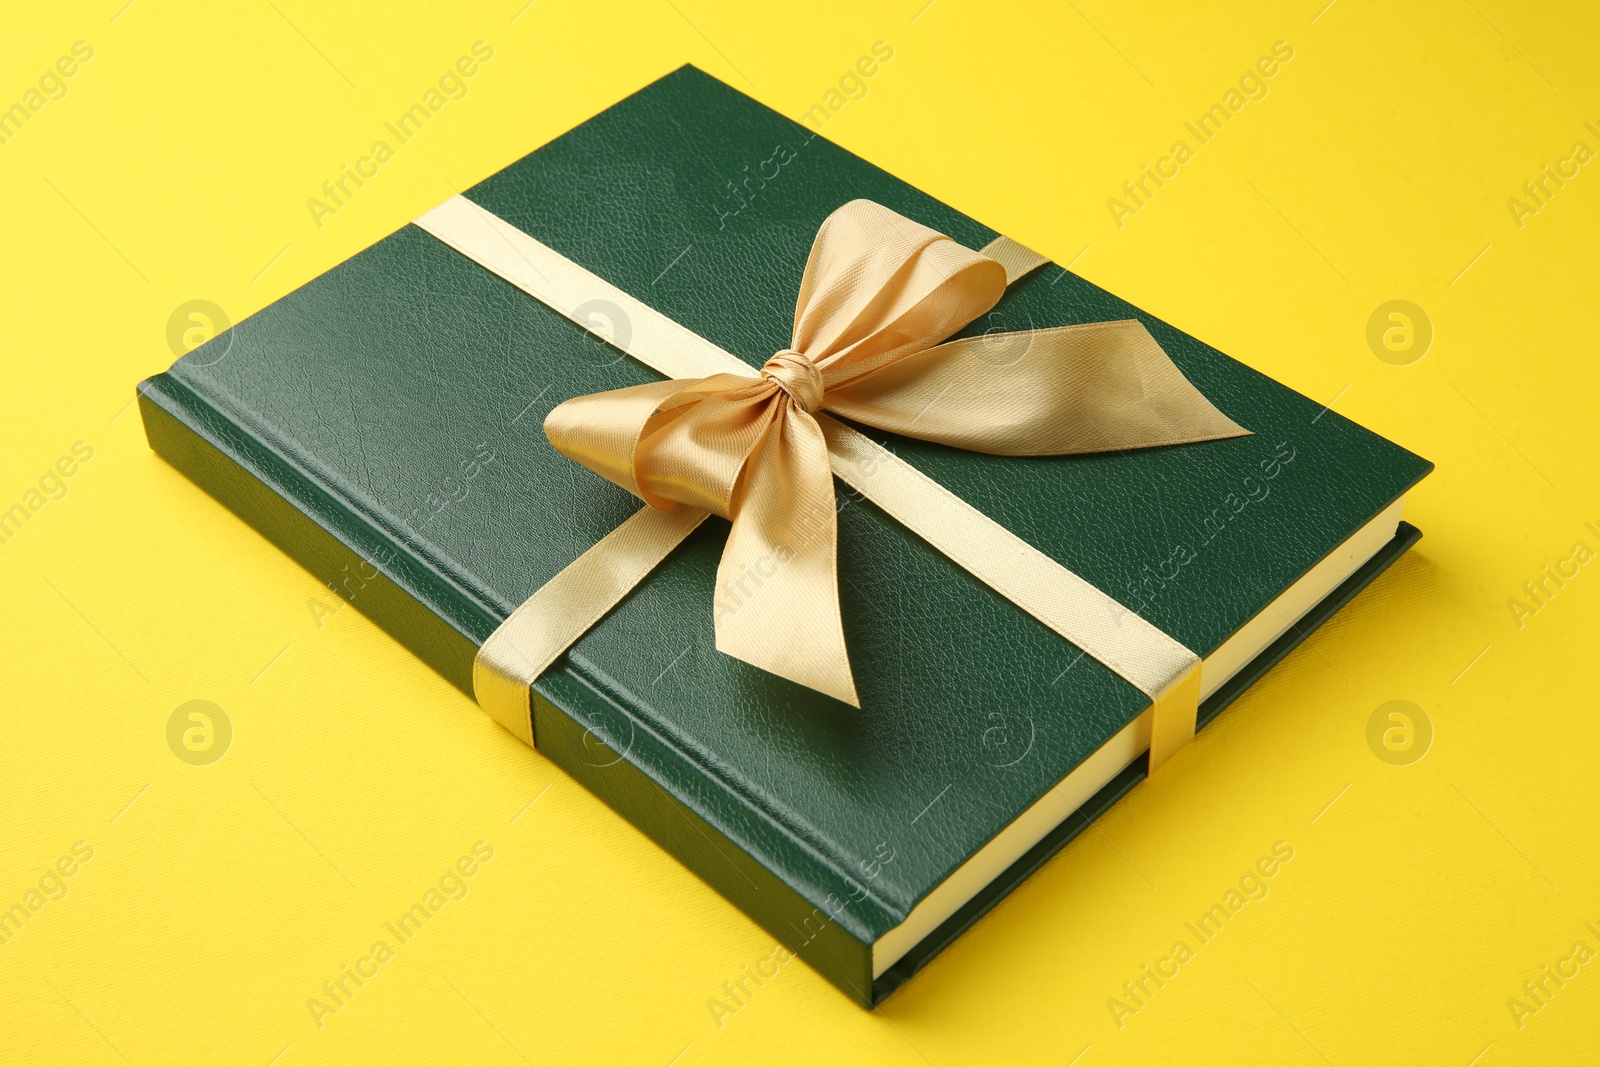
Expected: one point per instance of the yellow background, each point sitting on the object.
(220, 897)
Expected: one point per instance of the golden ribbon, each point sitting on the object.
(878, 294)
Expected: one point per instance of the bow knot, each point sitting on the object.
(797, 376)
(879, 294)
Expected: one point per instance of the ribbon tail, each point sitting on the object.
(1094, 387)
(777, 604)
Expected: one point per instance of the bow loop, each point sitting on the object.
(879, 287)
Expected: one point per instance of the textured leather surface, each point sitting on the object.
(364, 397)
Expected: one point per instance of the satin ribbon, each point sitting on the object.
(878, 294)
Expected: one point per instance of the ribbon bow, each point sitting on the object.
(878, 295)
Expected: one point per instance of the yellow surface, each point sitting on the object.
(219, 897)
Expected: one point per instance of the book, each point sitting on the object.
(381, 425)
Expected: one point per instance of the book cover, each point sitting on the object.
(382, 426)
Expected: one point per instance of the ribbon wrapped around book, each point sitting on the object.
(879, 296)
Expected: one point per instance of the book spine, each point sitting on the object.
(802, 898)
(800, 895)
(292, 509)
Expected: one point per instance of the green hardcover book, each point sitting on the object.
(382, 424)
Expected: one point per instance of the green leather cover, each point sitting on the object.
(386, 417)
